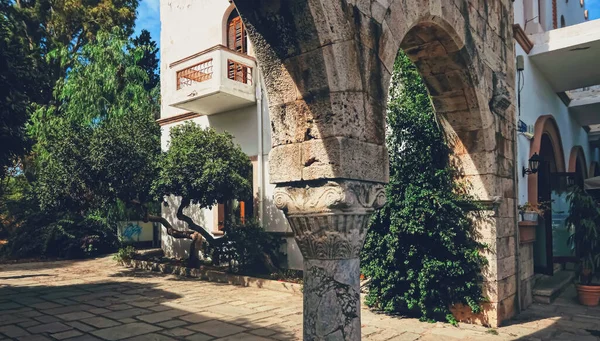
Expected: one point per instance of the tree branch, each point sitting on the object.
(193, 226)
(171, 231)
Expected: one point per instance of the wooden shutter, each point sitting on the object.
(236, 35)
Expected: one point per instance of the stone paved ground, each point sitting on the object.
(98, 300)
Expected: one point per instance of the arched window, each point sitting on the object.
(237, 39)
(562, 21)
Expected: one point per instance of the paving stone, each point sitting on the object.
(81, 326)
(151, 337)
(178, 332)
(54, 327)
(28, 323)
(161, 316)
(45, 305)
(121, 314)
(199, 337)
(172, 324)
(98, 311)
(115, 307)
(125, 331)
(46, 319)
(217, 328)
(33, 338)
(197, 318)
(80, 315)
(13, 331)
(100, 322)
(245, 337)
(263, 332)
(142, 304)
(66, 335)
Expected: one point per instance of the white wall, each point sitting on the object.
(537, 99)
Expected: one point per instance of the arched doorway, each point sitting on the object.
(578, 165)
(594, 169)
(548, 187)
(327, 67)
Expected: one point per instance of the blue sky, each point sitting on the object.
(148, 18)
(594, 7)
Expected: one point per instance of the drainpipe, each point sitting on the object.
(261, 178)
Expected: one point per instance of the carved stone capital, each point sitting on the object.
(343, 196)
(330, 219)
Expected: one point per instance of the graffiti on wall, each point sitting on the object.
(132, 231)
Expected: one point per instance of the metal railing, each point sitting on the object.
(197, 73)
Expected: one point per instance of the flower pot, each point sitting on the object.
(589, 295)
(529, 216)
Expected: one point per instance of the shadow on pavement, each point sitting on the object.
(134, 308)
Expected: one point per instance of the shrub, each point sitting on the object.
(420, 252)
(43, 235)
(124, 255)
(247, 248)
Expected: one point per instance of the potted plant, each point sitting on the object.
(530, 211)
(583, 220)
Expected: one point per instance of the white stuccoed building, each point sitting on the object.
(560, 121)
(209, 76)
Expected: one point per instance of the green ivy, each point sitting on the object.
(420, 254)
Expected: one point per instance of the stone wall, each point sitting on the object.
(327, 67)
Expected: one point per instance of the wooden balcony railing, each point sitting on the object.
(197, 73)
(239, 72)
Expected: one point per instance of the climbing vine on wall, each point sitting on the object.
(420, 254)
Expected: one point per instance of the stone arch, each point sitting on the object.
(545, 128)
(326, 66)
(577, 162)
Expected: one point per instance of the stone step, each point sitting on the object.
(547, 288)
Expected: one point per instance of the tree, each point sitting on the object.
(149, 62)
(19, 82)
(30, 32)
(101, 146)
(203, 168)
(420, 252)
(68, 25)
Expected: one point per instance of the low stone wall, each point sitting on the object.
(217, 276)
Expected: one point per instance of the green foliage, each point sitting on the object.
(583, 220)
(102, 143)
(245, 247)
(124, 255)
(47, 235)
(203, 167)
(19, 82)
(149, 61)
(420, 252)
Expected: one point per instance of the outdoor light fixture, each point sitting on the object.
(534, 163)
(571, 180)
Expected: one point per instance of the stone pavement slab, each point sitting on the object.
(98, 300)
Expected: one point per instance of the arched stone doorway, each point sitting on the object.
(327, 66)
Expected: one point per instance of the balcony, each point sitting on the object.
(568, 56)
(213, 81)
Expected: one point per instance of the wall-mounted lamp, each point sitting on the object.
(571, 180)
(534, 164)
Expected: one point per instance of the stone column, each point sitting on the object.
(330, 221)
